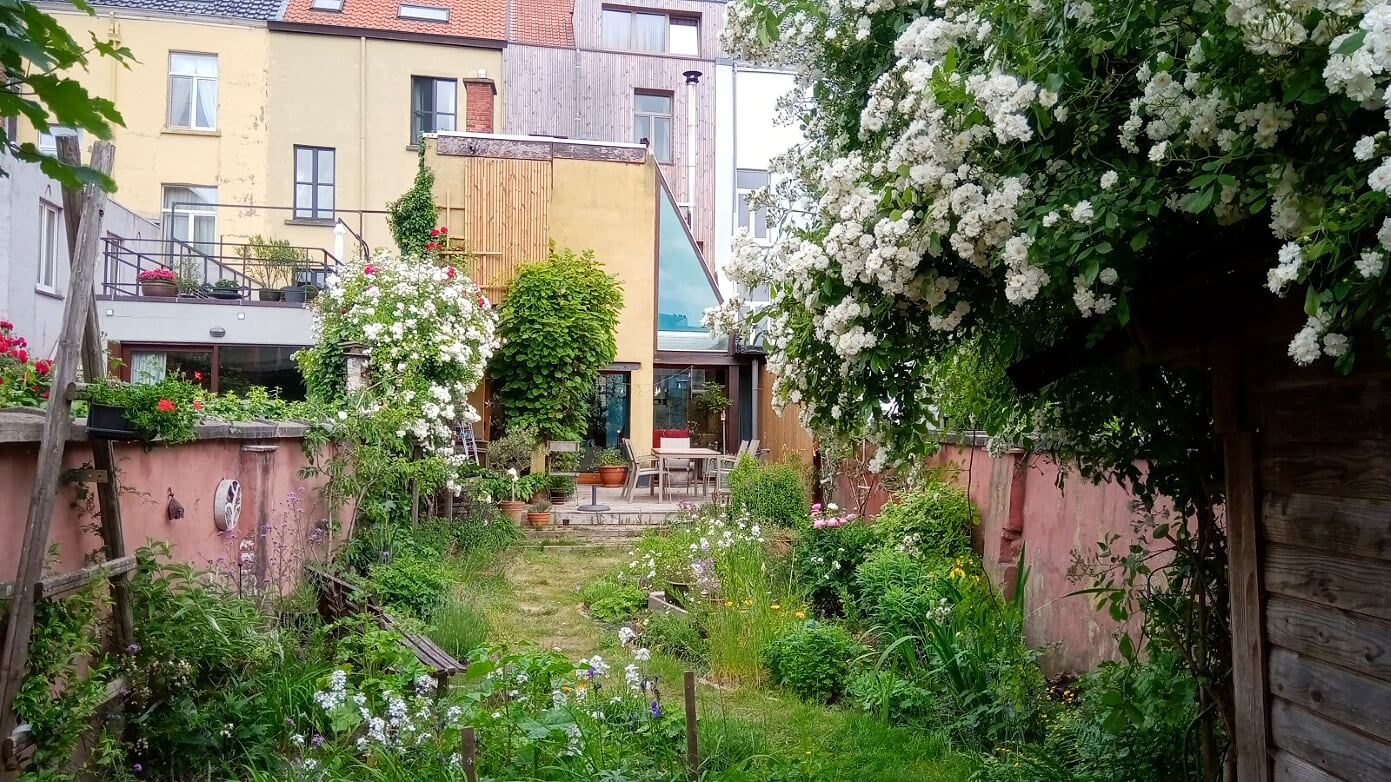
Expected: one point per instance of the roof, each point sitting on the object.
(236, 9)
(543, 22)
(479, 19)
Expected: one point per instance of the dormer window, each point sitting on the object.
(422, 13)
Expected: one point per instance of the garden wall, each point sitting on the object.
(264, 458)
(1021, 504)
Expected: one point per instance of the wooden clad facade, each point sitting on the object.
(500, 208)
(780, 428)
(585, 91)
(1309, 507)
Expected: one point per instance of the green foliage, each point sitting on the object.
(610, 601)
(676, 635)
(164, 411)
(410, 585)
(458, 627)
(776, 493)
(257, 403)
(933, 520)
(712, 398)
(35, 51)
(271, 261)
(610, 457)
(813, 661)
(23, 378)
(557, 325)
(513, 449)
(896, 591)
(412, 217)
(825, 561)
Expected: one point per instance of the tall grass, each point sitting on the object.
(458, 627)
(759, 605)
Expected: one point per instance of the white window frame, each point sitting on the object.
(420, 12)
(197, 83)
(652, 117)
(189, 216)
(51, 232)
(48, 140)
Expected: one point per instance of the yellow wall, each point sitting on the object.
(621, 229)
(149, 155)
(323, 96)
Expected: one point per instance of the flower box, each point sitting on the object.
(159, 289)
(109, 423)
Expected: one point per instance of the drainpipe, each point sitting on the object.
(362, 134)
(692, 79)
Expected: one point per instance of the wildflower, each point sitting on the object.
(801, 614)
(728, 603)
(642, 655)
(165, 406)
(197, 405)
(775, 606)
(137, 768)
(133, 648)
(369, 269)
(342, 415)
(656, 710)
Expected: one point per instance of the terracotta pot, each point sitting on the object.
(537, 520)
(588, 479)
(513, 509)
(159, 288)
(613, 477)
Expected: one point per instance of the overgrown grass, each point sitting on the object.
(459, 627)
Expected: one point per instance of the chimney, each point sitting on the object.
(479, 95)
(692, 79)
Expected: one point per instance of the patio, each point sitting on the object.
(640, 510)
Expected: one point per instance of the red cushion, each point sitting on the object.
(658, 434)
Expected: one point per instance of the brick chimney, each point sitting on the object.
(479, 95)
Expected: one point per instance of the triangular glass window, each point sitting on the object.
(684, 290)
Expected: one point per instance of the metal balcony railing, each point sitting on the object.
(199, 266)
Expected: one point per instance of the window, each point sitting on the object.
(190, 217)
(326, 5)
(646, 31)
(50, 233)
(192, 91)
(684, 289)
(422, 13)
(48, 141)
(652, 123)
(756, 219)
(434, 105)
(313, 183)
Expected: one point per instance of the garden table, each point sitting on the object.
(697, 455)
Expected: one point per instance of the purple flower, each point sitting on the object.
(656, 710)
(133, 648)
(317, 740)
(289, 722)
(137, 768)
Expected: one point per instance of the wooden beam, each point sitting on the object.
(84, 476)
(57, 427)
(54, 587)
(1250, 682)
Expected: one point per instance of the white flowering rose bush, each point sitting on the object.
(996, 176)
(428, 333)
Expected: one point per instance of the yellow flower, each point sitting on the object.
(748, 602)
(775, 606)
(957, 572)
(728, 603)
(801, 614)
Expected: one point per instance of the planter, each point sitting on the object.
(560, 497)
(109, 422)
(228, 294)
(311, 292)
(538, 520)
(588, 479)
(293, 294)
(271, 294)
(676, 593)
(159, 289)
(539, 496)
(613, 477)
(514, 510)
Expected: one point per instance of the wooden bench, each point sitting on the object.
(339, 599)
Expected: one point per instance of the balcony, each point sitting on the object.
(213, 272)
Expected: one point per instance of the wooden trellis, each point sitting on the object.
(79, 342)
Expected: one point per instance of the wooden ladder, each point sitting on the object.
(79, 343)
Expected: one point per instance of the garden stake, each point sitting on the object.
(692, 750)
(469, 748)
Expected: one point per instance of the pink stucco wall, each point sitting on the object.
(1022, 504)
(274, 498)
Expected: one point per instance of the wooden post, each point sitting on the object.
(57, 427)
(692, 748)
(103, 453)
(1250, 679)
(469, 750)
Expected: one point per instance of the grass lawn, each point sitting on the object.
(531, 594)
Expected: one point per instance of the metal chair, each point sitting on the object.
(637, 468)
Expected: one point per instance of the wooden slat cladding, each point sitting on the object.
(1291, 768)
(1353, 641)
(1356, 468)
(589, 20)
(780, 434)
(1342, 752)
(1327, 414)
(1347, 525)
(1350, 583)
(1332, 692)
(501, 209)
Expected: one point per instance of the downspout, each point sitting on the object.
(575, 39)
(361, 133)
(692, 79)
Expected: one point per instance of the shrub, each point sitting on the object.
(825, 561)
(896, 591)
(892, 696)
(513, 451)
(458, 627)
(676, 635)
(775, 493)
(410, 585)
(933, 521)
(612, 602)
(812, 662)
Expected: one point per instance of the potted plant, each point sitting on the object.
(157, 282)
(562, 488)
(513, 509)
(533, 487)
(613, 469)
(272, 261)
(188, 279)
(539, 514)
(166, 411)
(226, 289)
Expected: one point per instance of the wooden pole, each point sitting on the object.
(57, 427)
(469, 749)
(103, 454)
(692, 748)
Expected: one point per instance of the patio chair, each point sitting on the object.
(717, 472)
(672, 467)
(637, 468)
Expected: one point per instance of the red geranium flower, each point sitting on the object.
(197, 405)
(44, 395)
(42, 366)
(429, 245)
(444, 230)
(22, 355)
(369, 269)
(449, 272)
(165, 406)
(197, 375)
(434, 232)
